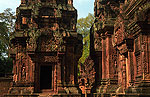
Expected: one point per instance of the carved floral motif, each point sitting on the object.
(87, 73)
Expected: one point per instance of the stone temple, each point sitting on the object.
(46, 48)
(119, 61)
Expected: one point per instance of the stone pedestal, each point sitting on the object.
(108, 86)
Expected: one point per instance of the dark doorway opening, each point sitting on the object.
(43, 0)
(46, 77)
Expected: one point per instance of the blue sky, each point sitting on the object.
(83, 6)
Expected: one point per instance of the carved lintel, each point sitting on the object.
(50, 59)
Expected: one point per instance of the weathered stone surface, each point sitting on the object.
(121, 33)
(46, 38)
(5, 84)
(44, 48)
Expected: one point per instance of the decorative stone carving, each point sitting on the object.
(45, 29)
(87, 77)
(123, 27)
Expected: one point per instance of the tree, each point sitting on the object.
(8, 16)
(84, 24)
(4, 39)
(83, 27)
(7, 22)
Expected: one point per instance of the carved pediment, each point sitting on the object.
(118, 36)
(51, 42)
(120, 31)
(87, 73)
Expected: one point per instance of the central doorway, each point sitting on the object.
(46, 77)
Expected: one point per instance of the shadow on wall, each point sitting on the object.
(5, 84)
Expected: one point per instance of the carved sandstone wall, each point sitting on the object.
(45, 48)
(5, 84)
(121, 33)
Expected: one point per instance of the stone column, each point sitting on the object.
(144, 56)
(59, 77)
(109, 62)
(103, 58)
(55, 78)
(123, 63)
(59, 73)
(130, 69)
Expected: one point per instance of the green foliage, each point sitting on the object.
(83, 27)
(4, 39)
(9, 18)
(7, 22)
(84, 24)
(86, 49)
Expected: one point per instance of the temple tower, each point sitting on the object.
(123, 29)
(45, 47)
